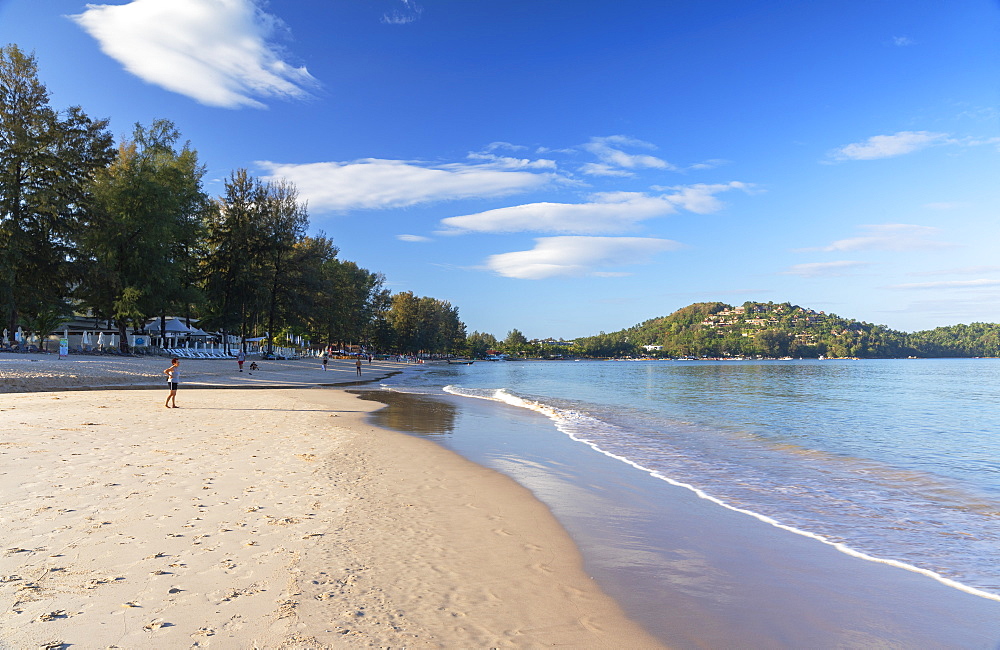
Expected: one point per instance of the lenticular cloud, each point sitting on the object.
(576, 256)
(214, 51)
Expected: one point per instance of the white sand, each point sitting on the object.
(268, 518)
(28, 373)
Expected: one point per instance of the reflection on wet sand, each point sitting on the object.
(411, 413)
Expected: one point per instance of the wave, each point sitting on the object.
(575, 424)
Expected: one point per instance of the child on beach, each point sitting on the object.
(326, 360)
(173, 374)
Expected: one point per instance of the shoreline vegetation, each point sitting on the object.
(268, 518)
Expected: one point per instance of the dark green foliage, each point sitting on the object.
(974, 340)
(144, 227)
(424, 325)
(46, 162)
(479, 343)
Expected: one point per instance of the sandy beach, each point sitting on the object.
(264, 518)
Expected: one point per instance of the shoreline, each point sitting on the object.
(302, 526)
(693, 573)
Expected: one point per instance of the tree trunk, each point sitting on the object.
(123, 338)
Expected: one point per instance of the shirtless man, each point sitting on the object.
(173, 374)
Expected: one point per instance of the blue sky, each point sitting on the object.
(570, 167)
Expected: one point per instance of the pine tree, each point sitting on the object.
(46, 162)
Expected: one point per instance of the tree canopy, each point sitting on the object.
(47, 161)
(128, 234)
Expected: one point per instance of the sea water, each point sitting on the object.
(889, 460)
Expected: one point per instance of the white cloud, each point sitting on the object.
(409, 13)
(902, 41)
(887, 146)
(708, 164)
(373, 183)
(413, 238)
(508, 162)
(614, 161)
(949, 284)
(605, 212)
(889, 237)
(577, 256)
(494, 146)
(824, 269)
(965, 270)
(700, 198)
(600, 169)
(214, 51)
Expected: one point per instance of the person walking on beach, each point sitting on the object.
(241, 356)
(173, 374)
(357, 364)
(326, 360)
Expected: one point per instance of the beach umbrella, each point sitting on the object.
(86, 337)
(112, 340)
(100, 339)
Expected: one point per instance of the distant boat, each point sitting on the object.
(461, 362)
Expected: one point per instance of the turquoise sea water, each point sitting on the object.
(895, 460)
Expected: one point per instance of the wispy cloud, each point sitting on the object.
(824, 269)
(889, 237)
(902, 41)
(408, 13)
(888, 146)
(701, 198)
(374, 183)
(604, 212)
(217, 52)
(577, 256)
(615, 161)
(509, 162)
(413, 238)
(948, 284)
(965, 270)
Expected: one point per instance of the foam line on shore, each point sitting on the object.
(561, 418)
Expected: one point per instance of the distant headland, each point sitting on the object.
(776, 330)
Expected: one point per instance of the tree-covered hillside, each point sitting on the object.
(715, 329)
(975, 340)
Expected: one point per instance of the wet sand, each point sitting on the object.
(691, 571)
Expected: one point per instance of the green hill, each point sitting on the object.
(715, 329)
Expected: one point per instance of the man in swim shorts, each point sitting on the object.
(173, 374)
